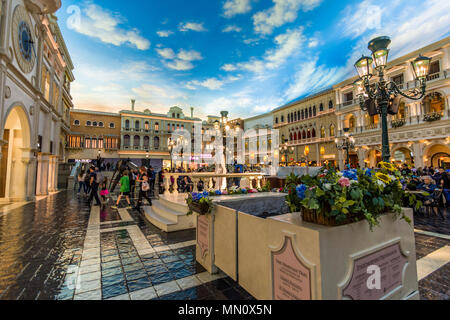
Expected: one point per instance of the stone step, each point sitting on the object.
(159, 221)
(175, 206)
(171, 214)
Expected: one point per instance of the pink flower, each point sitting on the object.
(224, 192)
(344, 182)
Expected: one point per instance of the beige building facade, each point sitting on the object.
(308, 128)
(35, 69)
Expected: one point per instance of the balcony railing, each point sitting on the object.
(433, 76)
(372, 126)
(433, 116)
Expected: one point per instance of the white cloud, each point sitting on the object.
(180, 65)
(232, 28)
(189, 55)
(164, 33)
(166, 53)
(313, 42)
(282, 12)
(287, 44)
(191, 26)
(366, 17)
(251, 41)
(180, 61)
(211, 83)
(310, 77)
(152, 91)
(98, 23)
(234, 7)
(228, 67)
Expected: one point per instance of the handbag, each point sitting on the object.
(145, 186)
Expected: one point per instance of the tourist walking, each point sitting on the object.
(94, 187)
(143, 188)
(124, 189)
(104, 193)
(81, 183)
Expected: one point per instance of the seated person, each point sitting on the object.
(427, 186)
(201, 186)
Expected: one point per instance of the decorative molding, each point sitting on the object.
(7, 92)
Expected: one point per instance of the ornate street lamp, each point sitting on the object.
(383, 96)
(348, 143)
(286, 151)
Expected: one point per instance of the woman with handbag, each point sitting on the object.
(144, 188)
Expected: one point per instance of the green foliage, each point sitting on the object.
(352, 195)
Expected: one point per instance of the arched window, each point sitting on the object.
(289, 118)
(330, 104)
(310, 112)
(101, 124)
(112, 125)
(295, 116)
(94, 124)
(126, 141)
(127, 124)
(295, 136)
(303, 114)
(168, 127)
(88, 123)
(290, 136)
(298, 115)
(282, 119)
(94, 143)
(156, 142)
(137, 125)
(304, 134)
(332, 131)
(146, 142)
(156, 126)
(136, 141)
(309, 134)
(313, 133)
(76, 122)
(147, 125)
(321, 107)
(100, 143)
(322, 132)
(314, 111)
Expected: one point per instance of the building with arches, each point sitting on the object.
(93, 134)
(36, 72)
(420, 133)
(309, 125)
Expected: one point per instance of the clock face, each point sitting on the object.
(23, 40)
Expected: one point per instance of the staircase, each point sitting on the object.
(169, 215)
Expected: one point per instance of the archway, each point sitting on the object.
(16, 142)
(438, 155)
(402, 156)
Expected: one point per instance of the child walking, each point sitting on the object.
(104, 193)
(124, 189)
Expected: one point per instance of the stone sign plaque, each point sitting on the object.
(389, 261)
(203, 234)
(291, 279)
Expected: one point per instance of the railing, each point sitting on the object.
(433, 116)
(372, 126)
(208, 177)
(398, 123)
(433, 76)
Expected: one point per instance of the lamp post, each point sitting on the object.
(347, 144)
(286, 151)
(171, 145)
(382, 97)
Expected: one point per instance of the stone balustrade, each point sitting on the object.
(254, 178)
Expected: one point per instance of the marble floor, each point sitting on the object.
(59, 248)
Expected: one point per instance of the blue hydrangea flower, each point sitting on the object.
(205, 193)
(244, 190)
(350, 174)
(218, 192)
(301, 191)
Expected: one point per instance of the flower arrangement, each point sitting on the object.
(199, 203)
(335, 198)
(435, 116)
(398, 123)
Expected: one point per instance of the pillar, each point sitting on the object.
(418, 155)
(42, 175)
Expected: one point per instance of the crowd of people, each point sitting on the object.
(94, 185)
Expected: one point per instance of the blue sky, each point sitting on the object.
(244, 56)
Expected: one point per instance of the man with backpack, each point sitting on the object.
(143, 188)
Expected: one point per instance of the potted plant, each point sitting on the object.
(199, 203)
(337, 198)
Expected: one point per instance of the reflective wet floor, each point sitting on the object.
(57, 248)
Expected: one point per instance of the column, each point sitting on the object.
(418, 155)
(42, 175)
(361, 158)
(341, 160)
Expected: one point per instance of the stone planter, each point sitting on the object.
(284, 257)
